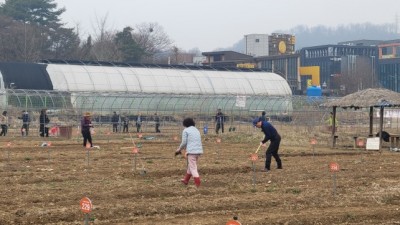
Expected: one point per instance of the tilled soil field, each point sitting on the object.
(44, 185)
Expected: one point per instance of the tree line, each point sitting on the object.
(322, 35)
(31, 30)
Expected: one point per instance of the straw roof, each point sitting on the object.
(372, 97)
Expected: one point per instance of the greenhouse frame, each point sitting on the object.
(102, 88)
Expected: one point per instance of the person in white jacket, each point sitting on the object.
(4, 123)
(191, 141)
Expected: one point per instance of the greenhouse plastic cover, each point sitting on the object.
(77, 78)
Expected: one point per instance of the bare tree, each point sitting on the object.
(85, 50)
(175, 54)
(104, 47)
(20, 41)
(152, 39)
(7, 31)
(358, 73)
(195, 51)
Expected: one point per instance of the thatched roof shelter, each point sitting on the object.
(368, 98)
(372, 97)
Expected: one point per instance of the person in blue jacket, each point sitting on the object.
(272, 135)
(25, 123)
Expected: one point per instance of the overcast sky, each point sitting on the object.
(209, 24)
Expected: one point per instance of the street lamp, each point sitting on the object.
(25, 22)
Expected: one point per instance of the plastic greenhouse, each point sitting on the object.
(106, 87)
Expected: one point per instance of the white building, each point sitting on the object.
(256, 44)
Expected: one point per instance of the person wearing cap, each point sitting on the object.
(272, 135)
(25, 123)
(86, 124)
(4, 123)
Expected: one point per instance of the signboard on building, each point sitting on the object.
(240, 101)
(246, 65)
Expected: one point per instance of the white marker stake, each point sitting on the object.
(86, 207)
(88, 154)
(108, 137)
(77, 134)
(334, 167)
(218, 141)
(360, 144)
(135, 151)
(254, 158)
(48, 152)
(313, 142)
(258, 148)
(8, 152)
(334, 184)
(48, 156)
(175, 140)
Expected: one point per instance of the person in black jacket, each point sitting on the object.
(157, 121)
(271, 134)
(115, 121)
(219, 120)
(125, 124)
(43, 123)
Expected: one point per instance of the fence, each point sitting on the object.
(66, 109)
